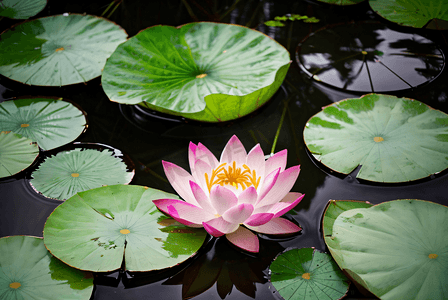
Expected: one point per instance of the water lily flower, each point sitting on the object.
(240, 189)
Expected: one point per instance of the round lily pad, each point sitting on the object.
(334, 208)
(28, 271)
(416, 13)
(69, 172)
(21, 9)
(58, 50)
(16, 153)
(97, 229)
(50, 122)
(342, 2)
(204, 71)
(396, 250)
(393, 139)
(308, 274)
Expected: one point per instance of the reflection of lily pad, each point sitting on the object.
(308, 274)
(21, 9)
(393, 139)
(335, 208)
(205, 71)
(396, 250)
(28, 271)
(369, 57)
(69, 172)
(342, 2)
(416, 13)
(58, 50)
(49, 122)
(92, 230)
(16, 153)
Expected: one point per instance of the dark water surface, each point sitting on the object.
(219, 270)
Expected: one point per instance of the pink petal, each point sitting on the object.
(276, 226)
(201, 197)
(249, 196)
(200, 168)
(238, 214)
(287, 203)
(183, 212)
(244, 239)
(283, 185)
(192, 155)
(222, 199)
(201, 152)
(259, 219)
(180, 180)
(255, 161)
(268, 183)
(234, 151)
(218, 227)
(278, 160)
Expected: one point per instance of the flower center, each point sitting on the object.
(233, 176)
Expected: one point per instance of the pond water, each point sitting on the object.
(219, 270)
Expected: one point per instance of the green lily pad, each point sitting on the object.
(16, 153)
(48, 121)
(21, 9)
(342, 2)
(96, 229)
(334, 208)
(58, 50)
(308, 274)
(393, 139)
(396, 250)
(203, 71)
(28, 271)
(416, 13)
(69, 172)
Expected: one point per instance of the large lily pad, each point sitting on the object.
(28, 271)
(393, 139)
(334, 208)
(49, 122)
(16, 153)
(69, 172)
(21, 9)
(396, 250)
(204, 71)
(58, 50)
(416, 13)
(308, 274)
(96, 229)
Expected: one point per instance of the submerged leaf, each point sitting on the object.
(16, 153)
(29, 271)
(396, 250)
(79, 232)
(67, 173)
(308, 274)
(49, 122)
(393, 139)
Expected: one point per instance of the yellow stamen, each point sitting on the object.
(233, 176)
(15, 285)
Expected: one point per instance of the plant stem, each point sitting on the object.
(190, 11)
(107, 8)
(229, 10)
(113, 10)
(282, 118)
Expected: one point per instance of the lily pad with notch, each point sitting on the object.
(396, 249)
(51, 122)
(204, 71)
(28, 271)
(308, 274)
(21, 9)
(16, 153)
(68, 172)
(97, 229)
(392, 139)
(416, 13)
(58, 50)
